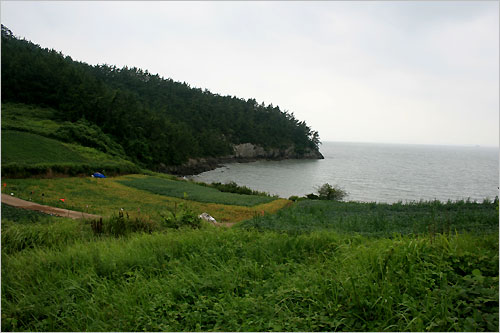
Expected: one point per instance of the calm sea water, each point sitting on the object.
(375, 172)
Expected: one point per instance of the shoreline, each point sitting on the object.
(197, 166)
(243, 153)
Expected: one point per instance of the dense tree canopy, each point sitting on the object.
(155, 120)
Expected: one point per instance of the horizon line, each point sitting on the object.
(417, 144)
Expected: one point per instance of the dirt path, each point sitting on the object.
(16, 202)
(225, 225)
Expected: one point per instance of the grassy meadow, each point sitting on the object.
(304, 266)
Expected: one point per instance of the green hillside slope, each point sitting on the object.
(156, 121)
(35, 142)
(28, 148)
(27, 154)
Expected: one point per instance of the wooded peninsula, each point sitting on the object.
(152, 121)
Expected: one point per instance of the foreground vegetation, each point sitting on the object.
(382, 220)
(314, 266)
(232, 280)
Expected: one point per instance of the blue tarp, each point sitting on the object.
(99, 175)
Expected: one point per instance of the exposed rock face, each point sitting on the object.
(193, 166)
(245, 152)
(248, 150)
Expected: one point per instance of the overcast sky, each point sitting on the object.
(423, 72)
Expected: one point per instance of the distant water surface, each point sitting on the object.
(375, 172)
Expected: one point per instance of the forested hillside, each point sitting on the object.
(155, 120)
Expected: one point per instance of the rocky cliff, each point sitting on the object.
(246, 152)
(251, 151)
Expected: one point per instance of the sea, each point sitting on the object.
(373, 172)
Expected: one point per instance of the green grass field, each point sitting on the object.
(236, 280)
(382, 219)
(28, 148)
(194, 192)
(306, 266)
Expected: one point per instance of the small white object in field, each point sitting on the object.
(11, 193)
(207, 217)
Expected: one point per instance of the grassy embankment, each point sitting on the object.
(369, 267)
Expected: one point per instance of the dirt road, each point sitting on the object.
(16, 202)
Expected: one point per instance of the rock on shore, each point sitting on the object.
(246, 152)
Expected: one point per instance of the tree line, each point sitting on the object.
(156, 120)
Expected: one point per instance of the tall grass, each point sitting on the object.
(57, 234)
(382, 219)
(233, 280)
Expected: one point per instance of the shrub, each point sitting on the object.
(312, 196)
(121, 225)
(180, 216)
(89, 135)
(329, 192)
(232, 187)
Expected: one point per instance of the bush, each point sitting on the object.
(180, 216)
(120, 225)
(329, 192)
(89, 135)
(232, 187)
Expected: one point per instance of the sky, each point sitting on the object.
(416, 72)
